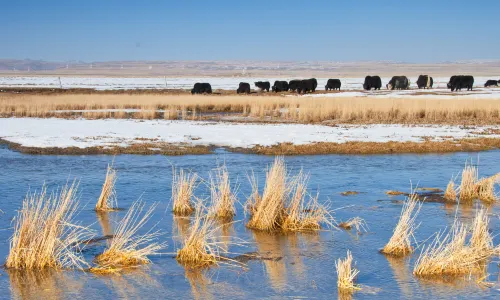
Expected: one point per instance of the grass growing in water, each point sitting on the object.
(400, 242)
(469, 179)
(44, 233)
(451, 255)
(223, 199)
(200, 247)
(356, 222)
(346, 274)
(450, 194)
(107, 199)
(127, 248)
(183, 185)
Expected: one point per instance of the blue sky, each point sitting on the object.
(411, 31)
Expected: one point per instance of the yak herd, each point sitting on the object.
(456, 83)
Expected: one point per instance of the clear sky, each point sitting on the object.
(405, 30)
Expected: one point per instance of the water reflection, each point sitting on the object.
(199, 281)
(104, 221)
(132, 283)
(271, 246)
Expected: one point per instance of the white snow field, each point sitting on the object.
(33, 132)
(224, 83)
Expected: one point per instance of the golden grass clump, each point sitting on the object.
(356, 222)
(400, 242)
(394, 193)
(127, 248)
(44, 233)
(346, 274)
(485, 188)
(450, 194)
(183, 185)
(199, 248)
(467, 185)
(267, 212)
(223, 199)
(451, 255)
(301, 215)
(107, 199)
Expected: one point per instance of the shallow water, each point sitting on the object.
(306, 269)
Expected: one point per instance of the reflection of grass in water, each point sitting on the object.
(131, 283)
(293, 250)
(226, 232)
(198, 281)
(180, 227)
(271, 246)
(103, 219)
(402, 274)
(41, 284)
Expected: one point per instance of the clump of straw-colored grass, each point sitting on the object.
(485, 188)
(346, 274)
(400, 242)
(356, 222)
(223, 199)
(267, 212)
(450, 194)
(467, 185)
(107, 199)
(128, 248)
(451, 255)
(301, 215)
(183, 185)
(44, 233)
(199, 248)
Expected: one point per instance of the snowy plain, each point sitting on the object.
(33, 132)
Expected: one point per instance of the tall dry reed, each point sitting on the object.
(45, 235)
(128, 248)
(183, 186)
(107, 200)
(469, 179)
(222, 197)
(400, 242)
(346, 274)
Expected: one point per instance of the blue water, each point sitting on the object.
(307, 267)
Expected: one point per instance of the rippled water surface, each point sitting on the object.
(307, 265)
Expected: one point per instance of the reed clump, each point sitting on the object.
(450, 194)
(485, 188)
(346, 274)
(302, 214)
(45, 235)
(467, 185)
(356, 222)
(183, 186)
(128, 248)
(222, 197)
(107, 200)
(400, 242)
(452, 254)
(268, 211)
(199, 248)
(285, 203)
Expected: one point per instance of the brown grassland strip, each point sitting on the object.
(288, 149)
(257, 108)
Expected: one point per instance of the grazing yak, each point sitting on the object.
(459, 82)
(263, 85)
(202, 88)
(425, 82)
(307, 85)
(280, 86)
(491, 83)
(244, 88)
(293, 85)
(398, 83)
(372, 82)
(333, 84)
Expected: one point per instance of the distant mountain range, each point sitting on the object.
(240, 68)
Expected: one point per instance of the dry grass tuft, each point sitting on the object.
(485, 188)
(200, 247)
(223, 199)
(469, 179)
(44, 235)
(183, 186)
(267, 212)
(450, 194)
(107, 199)
(127, 248)
(400, 242)
(451, 255)
(394, 193)
(301, 215)
(346, 274)
(356, 222)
